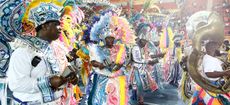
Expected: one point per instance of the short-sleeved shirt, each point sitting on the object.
(211, 64)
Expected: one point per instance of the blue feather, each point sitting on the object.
(99, 29)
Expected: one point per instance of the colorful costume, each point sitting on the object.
(155, 70)
(28, 80)
(152, 49)
(109, 86)
(175, 68)
(204, 97)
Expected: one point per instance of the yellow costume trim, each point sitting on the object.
(122, 80)
(120, 53)
(182, 91)
(85, 58)
(77, 92)
(179, 54)
(71, 30)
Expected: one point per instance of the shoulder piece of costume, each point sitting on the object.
(33, 42)
(10, 17)
(5, 53)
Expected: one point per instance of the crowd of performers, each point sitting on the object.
(59, 52)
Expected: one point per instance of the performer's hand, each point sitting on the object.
(101, 66)
(72, 55)
(153, 62)
(184, 58)
(57, 81)
(162, 55)
(117, 67)
(228, 73)
(158, 55)
(97, 64)
(73, 79)
(153, 56)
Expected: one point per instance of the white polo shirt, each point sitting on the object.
(211, 64)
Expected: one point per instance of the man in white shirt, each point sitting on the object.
(213, 71)
(212, 67)
(33, 73)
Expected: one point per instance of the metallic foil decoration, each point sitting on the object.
(10, 22)
(5, 53)
(10, 27)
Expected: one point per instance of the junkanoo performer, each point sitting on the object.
(138, 68)
(154, 52)
(110, 85)
(175, 69)
(33, 70)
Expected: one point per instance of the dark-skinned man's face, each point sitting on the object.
(109, 41)
(143, 42)
(53, 30)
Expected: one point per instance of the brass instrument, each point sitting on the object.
(214, 31)
(186, 80)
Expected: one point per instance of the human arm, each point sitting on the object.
(213, 67)
(97, 64)
(136, 53)
(218, 74)
(158, 55)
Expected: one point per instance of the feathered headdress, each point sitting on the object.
(122, 30)
(72, 17)
(140, 28)
(100, 30)
(115, 26)
(98, 2)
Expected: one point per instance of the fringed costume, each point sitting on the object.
(109, 86)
